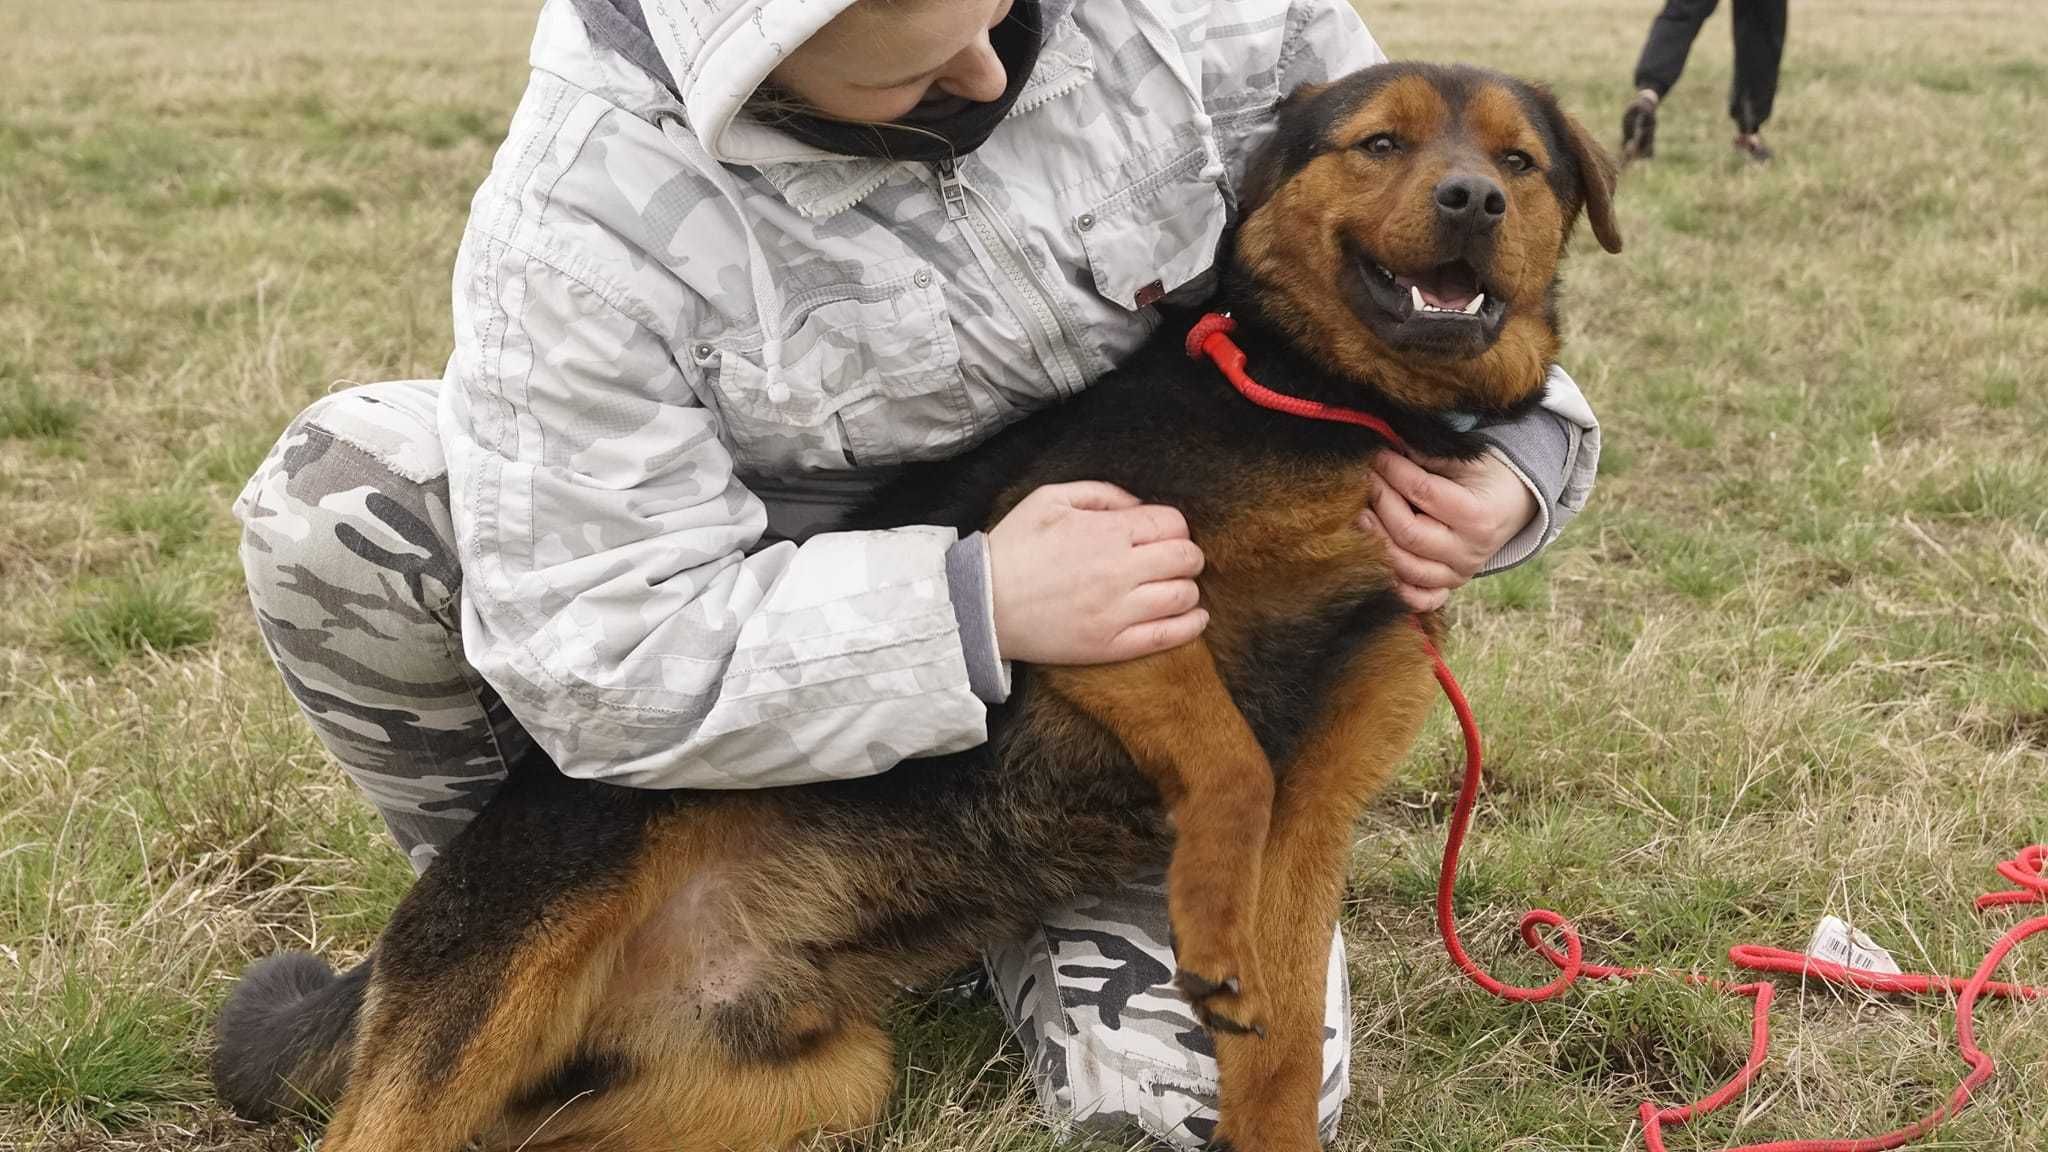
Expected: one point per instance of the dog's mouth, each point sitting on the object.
(1444, 310)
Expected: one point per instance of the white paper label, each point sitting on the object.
(1835, 941)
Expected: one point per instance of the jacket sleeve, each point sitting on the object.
(614, 594)
(1325, 39)
(1319, 40)
(1555, 451)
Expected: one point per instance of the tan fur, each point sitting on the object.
(695, 1098)
(1269, 1087)
(1178, 722)
(401, 1098)
(1292, 244)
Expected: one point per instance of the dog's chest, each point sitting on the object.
(1295, 587)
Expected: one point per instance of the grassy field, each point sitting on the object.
(1793, 661)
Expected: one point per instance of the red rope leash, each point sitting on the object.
(2028, 872)
(1211, 337)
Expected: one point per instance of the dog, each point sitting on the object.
(593, 966)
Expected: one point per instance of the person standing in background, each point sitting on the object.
(1759, 44)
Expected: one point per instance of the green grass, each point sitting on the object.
(1793, 660)
(29, 412)
(171, 519)
(94, 1054)
(137, 614)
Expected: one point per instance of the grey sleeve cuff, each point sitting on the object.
(974, 606)
(1539, 448)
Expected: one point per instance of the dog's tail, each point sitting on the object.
(286, 1034)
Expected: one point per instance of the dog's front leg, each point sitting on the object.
(1270, 1087)
(1176, 719)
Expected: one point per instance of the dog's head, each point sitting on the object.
(1405, 224)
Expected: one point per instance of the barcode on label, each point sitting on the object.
(1835, 941)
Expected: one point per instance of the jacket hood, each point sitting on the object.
(713, 55)
(719, 51)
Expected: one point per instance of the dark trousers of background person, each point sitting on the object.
(1759, 42)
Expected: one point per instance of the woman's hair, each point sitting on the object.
(772, 105)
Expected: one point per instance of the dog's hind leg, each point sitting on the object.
(1177, 720)
(420, 1083)
(680, 1090)
(1270, 1086)
(455, 1029)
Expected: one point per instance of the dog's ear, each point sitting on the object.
(1270, 164)
(1261, 176)
(1597, 175)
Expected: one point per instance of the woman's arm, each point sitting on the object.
(616, 596)
(611, 591)
(1555, 453)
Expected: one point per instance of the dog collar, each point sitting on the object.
(1210, 337)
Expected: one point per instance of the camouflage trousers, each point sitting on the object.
(347, 546)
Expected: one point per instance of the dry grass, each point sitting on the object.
(1794, 660)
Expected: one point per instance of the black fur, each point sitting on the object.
(585, 1074)
(1299, 657)
(560, 841)
(278, 1033)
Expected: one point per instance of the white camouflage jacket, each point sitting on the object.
(633, 459)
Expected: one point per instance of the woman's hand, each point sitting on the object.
(1444, 519)
(1084, 573)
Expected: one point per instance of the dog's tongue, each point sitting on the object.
(1448, 286)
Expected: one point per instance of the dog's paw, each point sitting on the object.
(1225, 1142)
(1224, 1004)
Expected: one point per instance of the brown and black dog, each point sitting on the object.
(589, 966)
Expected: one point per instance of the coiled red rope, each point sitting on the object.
(2028, 873)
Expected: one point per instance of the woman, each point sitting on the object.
(1759, 46)
(605, 532)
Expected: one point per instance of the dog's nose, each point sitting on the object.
(1470, 202)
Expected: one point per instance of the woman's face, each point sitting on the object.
(880, 58)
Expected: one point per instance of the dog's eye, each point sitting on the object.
(1380, 144)
(1516, 160)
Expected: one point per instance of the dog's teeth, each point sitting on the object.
(1472, 309)
(1415, 293)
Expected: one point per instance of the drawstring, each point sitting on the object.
(761, 274)
(1166, 42)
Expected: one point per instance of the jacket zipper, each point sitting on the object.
(952, 190)
(998, 247)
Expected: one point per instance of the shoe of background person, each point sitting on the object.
(1639, 127)
(1752, 145)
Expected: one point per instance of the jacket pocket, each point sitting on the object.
(1158, 235)
(870, 375)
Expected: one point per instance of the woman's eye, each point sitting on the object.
(1380, 144)
(1518, 162)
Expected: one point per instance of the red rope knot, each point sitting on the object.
(1209, 325)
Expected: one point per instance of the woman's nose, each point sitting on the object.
(975, 74)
